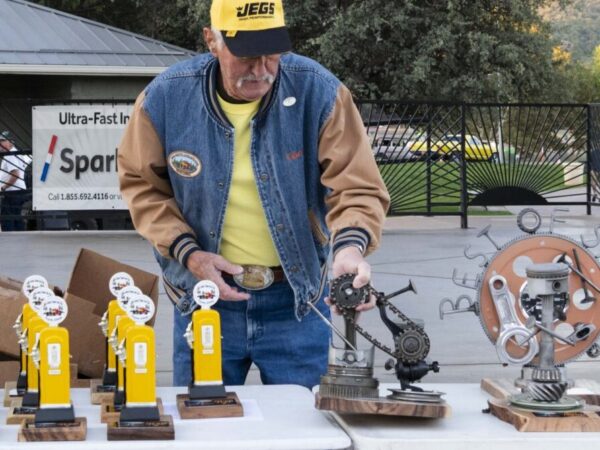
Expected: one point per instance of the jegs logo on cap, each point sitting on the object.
(118, 281)
(37, 297)
(54, 310)
(256, 9)
(126, 294)
(33, 282)
(141, 309)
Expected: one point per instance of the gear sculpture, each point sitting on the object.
(536, 299)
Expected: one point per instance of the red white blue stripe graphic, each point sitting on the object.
(49, 157)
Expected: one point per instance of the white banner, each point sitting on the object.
(75, 156)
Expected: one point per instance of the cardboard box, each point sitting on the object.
(89, 285)
(87, 296)
(11, 304)
(9, 371)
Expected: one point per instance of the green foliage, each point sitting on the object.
(435, 50)
(576, 26)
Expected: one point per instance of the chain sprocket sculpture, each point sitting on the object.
(350, 370)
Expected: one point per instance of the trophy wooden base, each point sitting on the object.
(161, 430)
(61, 431)
(10, 395)
(229, 406)
(585, 419)
(108, 414)
(383, 406)
(17, 413)
(99, 392)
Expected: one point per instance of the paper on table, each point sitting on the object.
(251, 412)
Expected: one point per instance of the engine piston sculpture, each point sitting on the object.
(349, 385)
(537, 303)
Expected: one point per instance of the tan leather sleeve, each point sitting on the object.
(145, 184)
(358, 198)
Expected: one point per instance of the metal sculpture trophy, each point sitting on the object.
(119, 284)
(55, 418)
(537, 303)
(206, 395)
(140, 416)
(349, 385)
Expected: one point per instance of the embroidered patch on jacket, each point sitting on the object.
(185, 164)
(292, 156)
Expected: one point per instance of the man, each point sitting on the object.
(237, 166)
(12, 185)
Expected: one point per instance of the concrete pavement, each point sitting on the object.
(422, 249)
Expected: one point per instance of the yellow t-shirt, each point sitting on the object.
(245, 237)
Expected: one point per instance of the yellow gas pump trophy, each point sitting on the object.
(111, 407)
(206, 395)
(140, 416)
(55, 418)
(104, 388)
(30, 284)
(25, 406)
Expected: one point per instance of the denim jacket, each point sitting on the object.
(312, 162)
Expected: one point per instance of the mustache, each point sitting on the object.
(268, 78)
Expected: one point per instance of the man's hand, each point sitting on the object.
(209, 266)
(350, 260)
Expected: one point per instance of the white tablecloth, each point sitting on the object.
(276, 417)
(467, 429)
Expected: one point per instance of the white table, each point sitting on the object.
(275, 417)
(468, 428)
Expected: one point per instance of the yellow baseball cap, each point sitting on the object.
(251, 28)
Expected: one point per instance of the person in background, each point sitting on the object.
(12, 185)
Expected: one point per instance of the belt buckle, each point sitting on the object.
(254, 277)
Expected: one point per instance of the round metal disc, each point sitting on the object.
(415, 396)
(510, 262)
(564, 404)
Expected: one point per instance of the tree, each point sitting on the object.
(436, 50)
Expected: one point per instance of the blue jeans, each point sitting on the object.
(263, 331)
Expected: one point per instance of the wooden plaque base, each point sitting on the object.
(109, 415)
(16, 417)
(383, 406)
(151, 431)
(75, 431)
(8, 387)
(98, 396)
(228, 407)
(586, 419)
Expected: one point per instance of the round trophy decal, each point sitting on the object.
(38, 296)
(140, 309)
(33, 282)
(126, 294)
(206, 293)
(118, 281)
(54, 310)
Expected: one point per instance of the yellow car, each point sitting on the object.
(449, 148)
